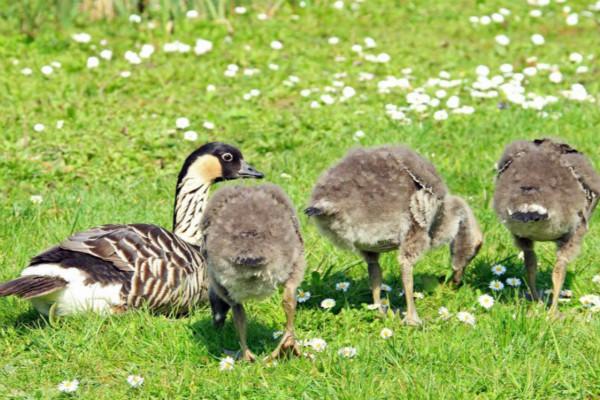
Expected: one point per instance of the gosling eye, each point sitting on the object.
(227, 157)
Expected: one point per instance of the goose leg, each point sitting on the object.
(414, 245)
(375, 280)
(288, 341)
(567, 250)
(219, 308)
(526, 246)
(52, 314)
(239, 320)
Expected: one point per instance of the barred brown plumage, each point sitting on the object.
(114, 267)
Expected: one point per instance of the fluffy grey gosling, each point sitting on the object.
(252, 246)
(546, 191)
(388, 198)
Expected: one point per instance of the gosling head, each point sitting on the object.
(465, 235)
(216, 162)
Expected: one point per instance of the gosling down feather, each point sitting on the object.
(546, 191)
(114, 267)
(252, 246)
(390, 198)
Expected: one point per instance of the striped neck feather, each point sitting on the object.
(190, 202)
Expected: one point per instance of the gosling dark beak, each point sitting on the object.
(248, 171)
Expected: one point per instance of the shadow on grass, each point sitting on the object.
(30, 319)
(260, 336)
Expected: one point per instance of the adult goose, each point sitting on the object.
(115, 267)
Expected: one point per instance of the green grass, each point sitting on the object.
(116, 160)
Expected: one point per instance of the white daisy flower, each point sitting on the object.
(202, 46)
(81, 37)
(572, 19)
(146, 51)
(328, 304)
(347, 352)
(590, 300)
(317, 344)
(486, 301)
(93, 62)
(386, 333)
(575, 58)
(373, 306)
(440, 115)
(502, 40)
(466, 317)
(498, 18)
(386, 288)
(47, 70)
(327, 99)
(535, 13)
(302, 296)
(485, 20)
(444, 313)
(596, 279)
(273, 67)
(26, 71)
(208, 125)
(342, 286)
(191, 136)
(333, 40)
(277, 334)
(240, 10)
(383, 58)
(514, 282)
(276, 45)
(370, 43)
(125, 74)
(338, 5)
(506, 68)
(555, 77)
(132, 57)
(496, 285)
(453, 102)
(68, 386)
(135, 381)
(134, 18)
(566, 293)
(537, 39)
(262, 16)
(418, 295)
(182, 123)
(385, 302)
(357, 48)
(106, 54)
(36, 199)
(498, 269)
(39, 127)
(59, 124)
(226, 364)
(192, 14)
(211, 88)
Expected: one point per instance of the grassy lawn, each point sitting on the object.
(116, 159)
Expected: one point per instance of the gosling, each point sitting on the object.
(387, 198)
(546, 191)
(252, 246)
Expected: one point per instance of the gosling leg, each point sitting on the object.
(566, 251)
(375, 280)
(288, 341)
(414, 245)
(526, 246)
(239, 320)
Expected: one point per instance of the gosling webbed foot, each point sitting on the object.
(287, 345)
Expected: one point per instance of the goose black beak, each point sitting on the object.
(248, 171)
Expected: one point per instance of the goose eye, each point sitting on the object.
(227, 157)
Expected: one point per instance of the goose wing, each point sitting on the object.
(159, 260)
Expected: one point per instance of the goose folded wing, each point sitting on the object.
(128, 247)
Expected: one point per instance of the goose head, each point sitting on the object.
(215, 162)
